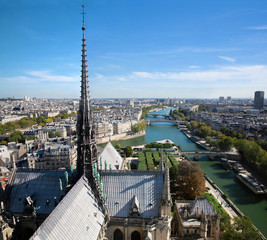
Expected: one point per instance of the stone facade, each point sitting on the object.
(195, 219)
(54, 156)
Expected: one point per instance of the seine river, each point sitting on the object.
(255, 207)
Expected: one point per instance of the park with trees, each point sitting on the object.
(138, 127)
(252, 153)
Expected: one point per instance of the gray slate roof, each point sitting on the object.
(121, 187)
(201, 205)
(111, 156)
(40, 185)
(77, 216)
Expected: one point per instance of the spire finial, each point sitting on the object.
(83, 27)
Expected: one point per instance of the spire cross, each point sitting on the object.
(83, 14)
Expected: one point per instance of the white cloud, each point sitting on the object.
(48, 76)
(238, 81)
(99, 76)
(228, 59)
(194, 67)
(173, 51)
(43, 76)
(142, 75)
(122, 79)
(263, 27)
(239, 74)
(211, 50)
(113, 66)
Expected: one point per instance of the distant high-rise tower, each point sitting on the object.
(221, 99)
(86, 151)
(259, 99)
(229, 99)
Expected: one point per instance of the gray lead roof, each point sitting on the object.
(201, 205)
(41, 186)
(77, 216)
(121, 187)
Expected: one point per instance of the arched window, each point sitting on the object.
(117, 235)
(135, 236)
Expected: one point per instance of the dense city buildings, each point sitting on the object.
(53, 156)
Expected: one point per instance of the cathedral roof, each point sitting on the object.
(77, 216)
(39, 186)
(121, 186)
(111, 156)
(201, 205)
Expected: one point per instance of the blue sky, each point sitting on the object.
(140, 48)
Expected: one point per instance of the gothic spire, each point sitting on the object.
(87, 153)
(86, 143)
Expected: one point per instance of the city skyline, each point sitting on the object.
(145, 49)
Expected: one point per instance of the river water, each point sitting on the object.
(253, 206)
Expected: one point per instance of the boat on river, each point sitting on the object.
(250, 183)
(225, 163)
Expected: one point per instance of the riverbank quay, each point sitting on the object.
(195, 139)
(249, 178)
(118, 137)
(226, 203)
(242, 168)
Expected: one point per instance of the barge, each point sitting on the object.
(250, 183)
(225, 163)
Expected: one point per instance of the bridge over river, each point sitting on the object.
(221, 154)
(159, 115)
(175, 122)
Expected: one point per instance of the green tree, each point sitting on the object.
(204, 131)
(263, 144)
(51, 134)
(16, 136)
(194, 124)
(137, 127)
(241, 229)
(10, 126)
(211, 141)
(58, 134)
(25, 122)
(118, 146)
(40, 120)
(239, 136)
(226, 143)
(128, 151)
(252, 154)
(213, 133)
(2, 129)
(48, 120)
(3, 142)
(174, 173)
(142, 124)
